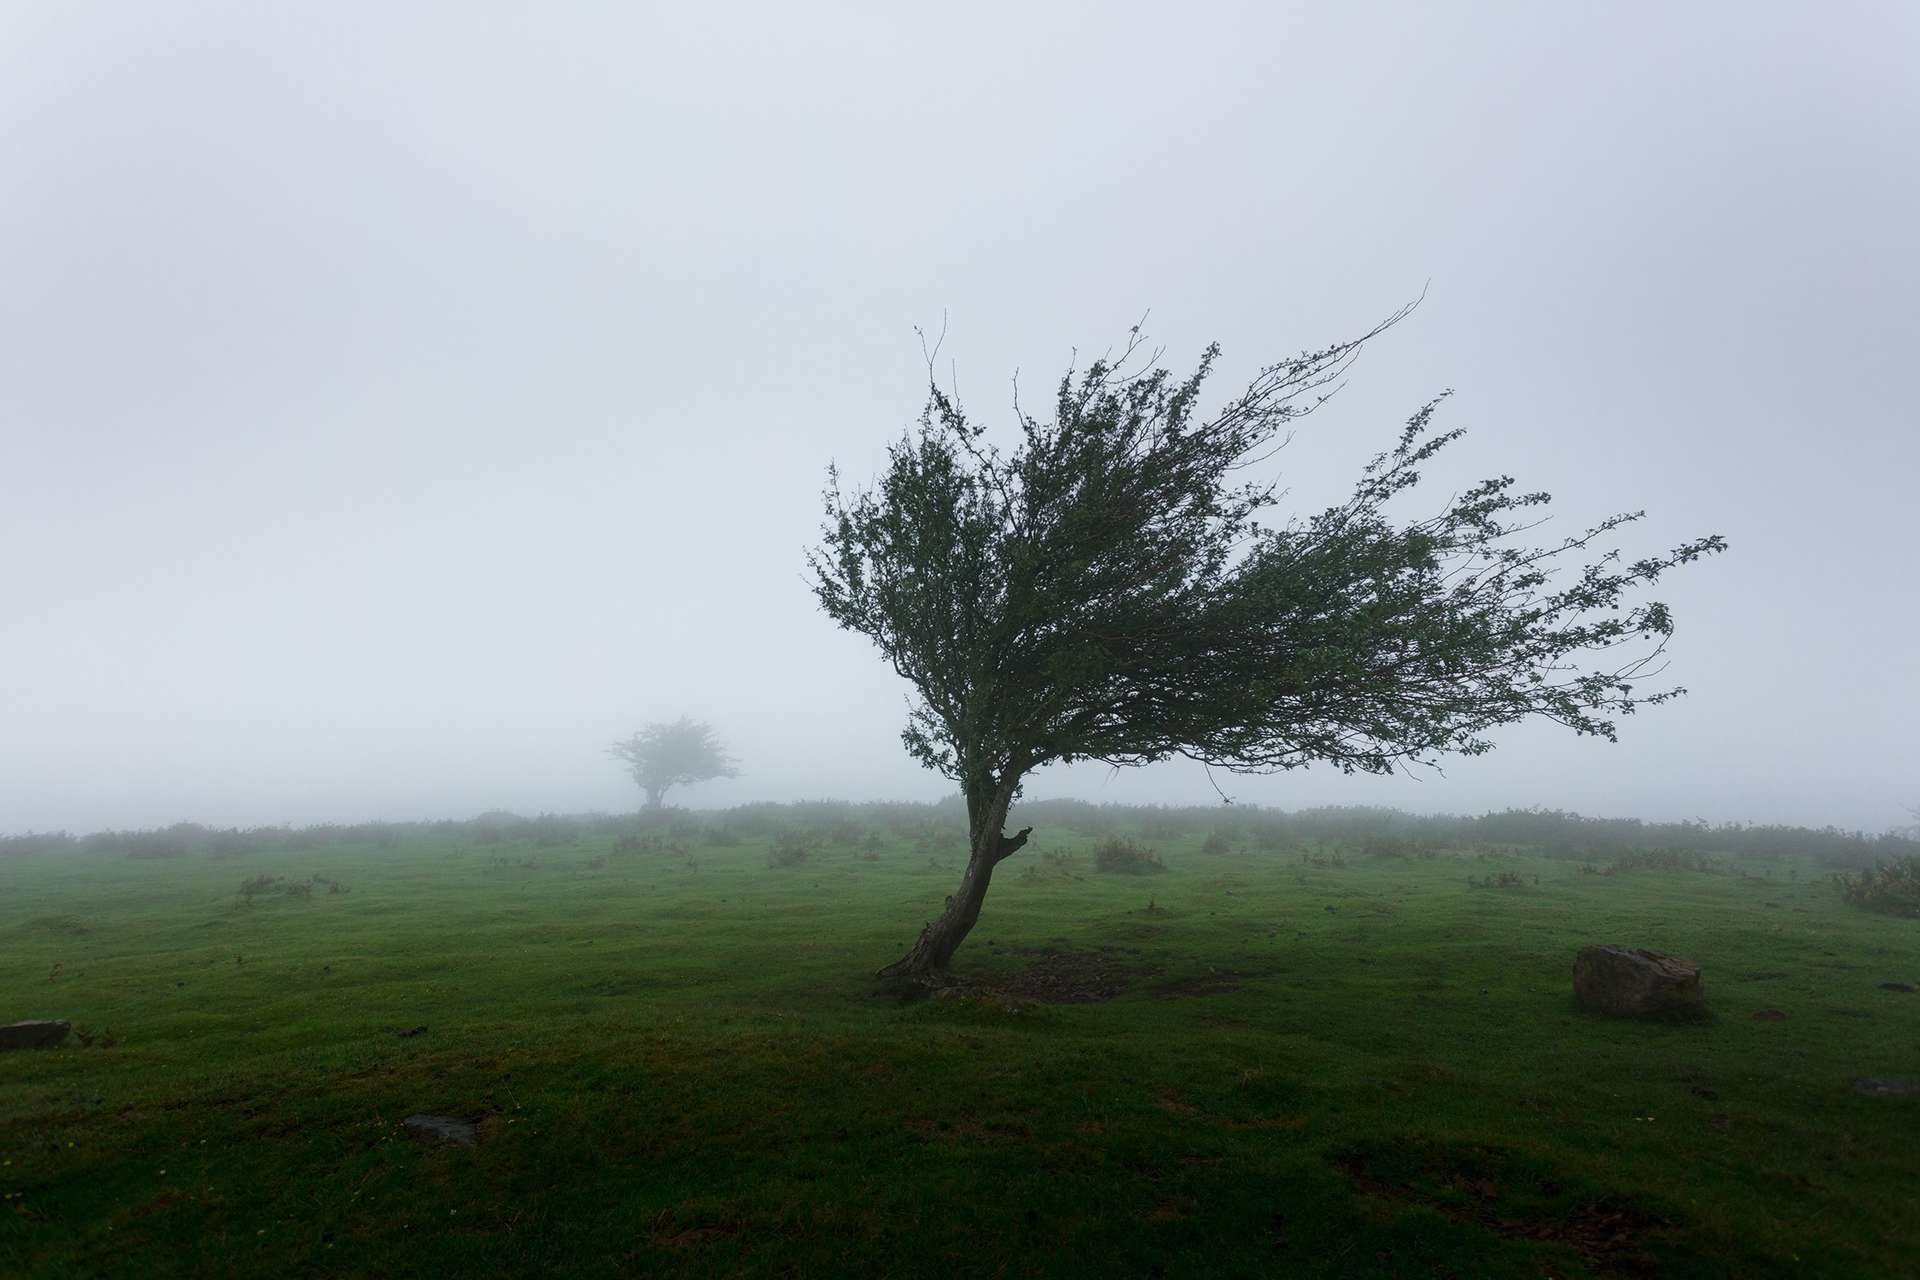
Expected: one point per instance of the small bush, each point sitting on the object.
(1126, 858)
(1217, 842)
(264, 885)
(1322, 860)
(789, 850)
(251, 889)
(1892, 888)
(1662, 860)
(1498, 880)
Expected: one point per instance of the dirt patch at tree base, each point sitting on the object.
(1060, 974)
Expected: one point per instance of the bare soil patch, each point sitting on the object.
(1500, 1192)
(1057, 974)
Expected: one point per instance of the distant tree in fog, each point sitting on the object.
(1109, 590)
(671, 753)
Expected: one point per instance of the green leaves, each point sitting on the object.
(1105, 590)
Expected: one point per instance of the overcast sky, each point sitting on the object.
(400, 402)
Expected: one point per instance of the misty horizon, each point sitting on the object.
(389, 424)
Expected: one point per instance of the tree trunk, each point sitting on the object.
(989, 845)
(654, 796)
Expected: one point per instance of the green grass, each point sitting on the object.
(1368, 1069)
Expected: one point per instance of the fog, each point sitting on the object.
(397, 405)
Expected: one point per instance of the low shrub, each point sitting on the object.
(1662, 860)
(1499, 880)
(1892, 888)
(647, 842)
(1399, 847)
(789, 850)
(260, 886)
(1125, 857)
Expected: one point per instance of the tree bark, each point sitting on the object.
(654, 796)
(988, 846)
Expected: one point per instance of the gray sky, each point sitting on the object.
(398, 403)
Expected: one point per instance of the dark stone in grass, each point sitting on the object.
(1701, 1091)
(1885, 1088)
(34, 1035)
(1632, 982)
(1768, 1015)
(1896, 986)
(442, 1129)
(411, 1032)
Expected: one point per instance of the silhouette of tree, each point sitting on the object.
(1106, 589)
(671, 753)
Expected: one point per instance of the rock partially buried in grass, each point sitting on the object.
(1896, 986)
(40, 1034)
(1885, 1088)
(442, 1129)
(1768, 1015)
(1631, 982)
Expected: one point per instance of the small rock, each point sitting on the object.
(1885, 1088)
(442, 1129)
(39, 1034)
(1768, 1015)
(411, 1032)
(1896, 986)
(1701, 1091)
(1633, 982)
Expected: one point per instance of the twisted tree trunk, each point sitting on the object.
(988, 846)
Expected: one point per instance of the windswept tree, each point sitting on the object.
(1106, 587)
(670, 753)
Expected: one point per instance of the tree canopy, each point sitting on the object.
(1109, 587)
(667, 754)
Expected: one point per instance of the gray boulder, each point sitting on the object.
(442, 1129)
(1632, 982)
(40, 1034)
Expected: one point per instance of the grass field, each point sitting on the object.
(1283, 1060)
